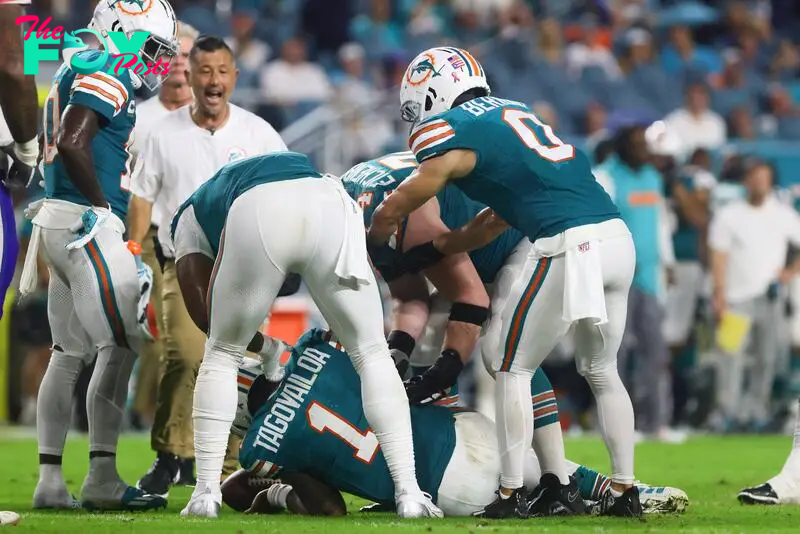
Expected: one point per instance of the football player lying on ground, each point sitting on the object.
(313, 422)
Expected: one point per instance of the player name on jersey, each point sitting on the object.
(290, 397)
(480, 106)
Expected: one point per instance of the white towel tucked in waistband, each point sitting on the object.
(352, 266)
(584, 297)
(29, 279)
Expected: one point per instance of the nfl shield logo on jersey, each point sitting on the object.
(236, 153)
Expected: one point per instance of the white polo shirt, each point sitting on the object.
(756, 240)
(179, 156)
(148, 114)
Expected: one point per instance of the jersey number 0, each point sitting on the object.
(556, 152)
(322, 419)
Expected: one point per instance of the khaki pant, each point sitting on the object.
(151, 354)
(184, 345)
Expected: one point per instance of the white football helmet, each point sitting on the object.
(129, 16)
(435, 78)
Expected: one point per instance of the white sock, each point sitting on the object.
(549, 445)
(787, 482)
(572, 467)
(54, 405)
(214, 409)
(386, 407)
(514, 424)
(615, 416)
(107, 396)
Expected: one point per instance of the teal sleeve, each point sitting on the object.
(101, 92)
(440, 134)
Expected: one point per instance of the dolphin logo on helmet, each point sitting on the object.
(435, 78)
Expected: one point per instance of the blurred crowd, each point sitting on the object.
(687, 109)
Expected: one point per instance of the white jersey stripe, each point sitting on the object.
(433, 137)
(105, 97)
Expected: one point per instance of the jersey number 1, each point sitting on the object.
(557, 151)
(322, 419)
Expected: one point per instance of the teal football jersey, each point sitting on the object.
(524, 172)
(370, 182)
(213, 200)
(111, 97)
(314, 423)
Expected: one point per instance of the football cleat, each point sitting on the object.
(59, 500)
(163, 473)
(413, 506)
(662, 499)
(513, 507)
(763, 494)
(626, 505)
(204, 504)
(186, 475)
(551, 498)
(132, 500)
(378, 507)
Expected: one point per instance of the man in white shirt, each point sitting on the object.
(292, 78)
(173, 94)
(184, 150)
(696, 124)
(749, 240)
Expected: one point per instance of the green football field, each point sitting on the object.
(711, 470)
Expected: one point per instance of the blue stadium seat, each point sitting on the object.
(652, 82)
(783, 154)
(723, 101)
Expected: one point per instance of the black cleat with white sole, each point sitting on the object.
(513, 507)
(164, 472)
(763, 494)
(626, 505)
(551, 498)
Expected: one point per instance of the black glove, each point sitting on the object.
(419, 258)
(18, 175)
(290, 285)
(434, 383)
(160, 258)
(384, 259)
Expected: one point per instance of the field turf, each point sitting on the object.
(710, 469)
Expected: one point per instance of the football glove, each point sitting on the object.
(23, 167)
(270, 354)
(145, 313)
(434, 383)
(89, 226)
